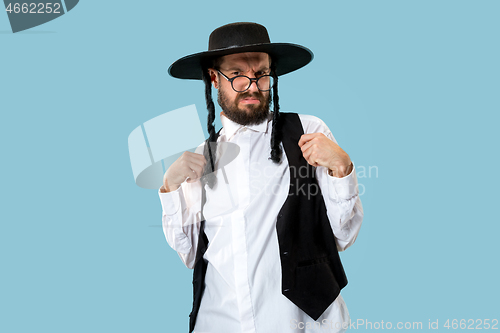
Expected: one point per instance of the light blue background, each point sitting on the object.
(410, 87)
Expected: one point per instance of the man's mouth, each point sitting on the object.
(250, 100)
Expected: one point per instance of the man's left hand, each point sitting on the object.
(318, 150)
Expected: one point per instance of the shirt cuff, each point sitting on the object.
(171, 201)
(343, 188)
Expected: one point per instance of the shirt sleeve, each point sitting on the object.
(341, 195)
(343, 205)
(181, 220)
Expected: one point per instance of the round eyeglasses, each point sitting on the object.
(241, 83)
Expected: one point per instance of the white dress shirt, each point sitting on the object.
(243, 278)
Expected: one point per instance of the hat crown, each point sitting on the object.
(238, 38)
(237, 35)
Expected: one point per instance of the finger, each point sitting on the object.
(193, 176)
(306, 137)
(311, 162)
(196, 158)
(307, 145)
(307, 155)
(303, 139)
(191, 171)
(199, 157)
(311, 157)
(196, 163)
(198, 170)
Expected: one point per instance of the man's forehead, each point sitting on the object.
(247, 58)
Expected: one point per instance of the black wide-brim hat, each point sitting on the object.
(237, 38)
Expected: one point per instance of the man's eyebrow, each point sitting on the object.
(233, 69)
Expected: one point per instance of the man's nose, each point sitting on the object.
(253, 87)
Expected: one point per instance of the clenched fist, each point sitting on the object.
(318, 150)
(189, 167)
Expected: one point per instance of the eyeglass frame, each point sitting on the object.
(251, 80)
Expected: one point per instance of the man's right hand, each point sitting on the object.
(189, 167)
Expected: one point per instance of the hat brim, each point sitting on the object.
(289, 57)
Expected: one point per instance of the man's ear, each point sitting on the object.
(213, 77)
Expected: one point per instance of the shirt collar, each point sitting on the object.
(229, 127)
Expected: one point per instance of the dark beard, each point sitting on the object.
(258, 113)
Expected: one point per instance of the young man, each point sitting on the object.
(261, 229)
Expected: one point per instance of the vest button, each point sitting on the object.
(285, 253)
(286, 290)
(280, 215)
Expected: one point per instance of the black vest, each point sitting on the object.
(312, 274)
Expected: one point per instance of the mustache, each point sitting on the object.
(257, 95)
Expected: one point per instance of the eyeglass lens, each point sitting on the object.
(242, 83)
